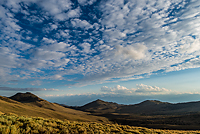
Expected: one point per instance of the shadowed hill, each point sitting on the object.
(148, 107)
(100, 106)
(25, 97)
(149, 113)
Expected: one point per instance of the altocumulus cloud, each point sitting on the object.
(115, 39)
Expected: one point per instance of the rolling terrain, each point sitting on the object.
(28, 104)
(150, 113)
(148, 107)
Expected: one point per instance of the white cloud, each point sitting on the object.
(117, 89)
(140, 89)
(47, 55)
(61, 62)
(54, 7)
(190, 48)
(8, 59)
(86, 47)
(23, 46)
(75, 13)
(150, 89)
(53, 45)
(86, 2)
(81, 23)
(135, 52)
(56, 77)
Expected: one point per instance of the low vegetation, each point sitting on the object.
(13, 124)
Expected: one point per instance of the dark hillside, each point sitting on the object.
(100, 106)
(148, 107)
(149, 113)
(25, 97)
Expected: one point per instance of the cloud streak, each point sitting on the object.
(26, 89)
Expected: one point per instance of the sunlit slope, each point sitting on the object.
(45, 109)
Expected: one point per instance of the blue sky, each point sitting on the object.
(118, 50)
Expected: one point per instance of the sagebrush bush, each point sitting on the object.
(13, 124)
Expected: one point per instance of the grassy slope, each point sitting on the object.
(47, 110)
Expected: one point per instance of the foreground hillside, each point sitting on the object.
(29, 104)
(13, 124)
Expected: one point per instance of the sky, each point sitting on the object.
(125, 51)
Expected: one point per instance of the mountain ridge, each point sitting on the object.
(147, 107)
(149, 113)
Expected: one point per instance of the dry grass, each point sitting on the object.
(47, 110)
(13, 124)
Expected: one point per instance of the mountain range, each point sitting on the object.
(149, 113)
(148, 107)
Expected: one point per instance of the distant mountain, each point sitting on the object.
(100, 106)
(148, 107)
(149, 113)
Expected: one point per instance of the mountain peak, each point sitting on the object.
(25, 97)
(150, 102)
(99, 101)
(100, 106)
